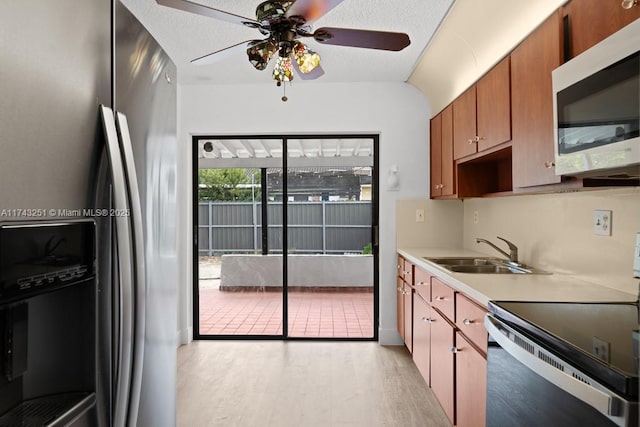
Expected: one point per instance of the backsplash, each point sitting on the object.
(554, 232)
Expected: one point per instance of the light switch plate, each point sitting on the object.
(602, 222)
(419, 215)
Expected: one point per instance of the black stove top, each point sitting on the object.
(601, 339)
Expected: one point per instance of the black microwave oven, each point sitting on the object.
(596, 107)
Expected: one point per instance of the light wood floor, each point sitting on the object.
(302, 384)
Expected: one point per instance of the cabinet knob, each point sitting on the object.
(469, 141)
(454, 350)
(426, 320)
(467, 322)
(420, 283)
(549, 165)
(438, 298)
(628, 4)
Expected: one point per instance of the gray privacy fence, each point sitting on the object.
(314, 227)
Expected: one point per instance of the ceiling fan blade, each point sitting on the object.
(199, 9)
(223, 53)
(311, 75)
(312, 9)
(382, 40)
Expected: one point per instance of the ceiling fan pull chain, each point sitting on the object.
(284, 91)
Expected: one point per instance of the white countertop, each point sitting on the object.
(512, 287)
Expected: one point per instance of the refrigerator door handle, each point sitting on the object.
(135, 215)
(123, 249)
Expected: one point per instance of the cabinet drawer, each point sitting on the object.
(422, 283)
(408, 272)
(400, 266)
(470, 321)
(442, 298)
(405, 270)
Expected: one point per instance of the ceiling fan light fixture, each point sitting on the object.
(283, 71)
(261, 53)
(272, 9)
(306, 58)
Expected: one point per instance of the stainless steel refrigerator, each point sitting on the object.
(75, 76)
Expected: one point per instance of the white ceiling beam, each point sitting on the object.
(295, 162)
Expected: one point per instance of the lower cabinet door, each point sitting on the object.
(400, 307)
(471, 384)
(408, 317)
(422, 337)
(442, 363)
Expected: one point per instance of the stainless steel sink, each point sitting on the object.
(482, 265)
(487, 269)
(463, 261)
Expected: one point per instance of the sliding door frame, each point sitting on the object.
(285, 321)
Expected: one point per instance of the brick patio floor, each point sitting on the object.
(311, 314)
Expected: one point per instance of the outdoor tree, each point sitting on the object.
(231, 184)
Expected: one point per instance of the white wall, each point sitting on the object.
(397, 111)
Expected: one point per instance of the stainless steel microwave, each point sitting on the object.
(596, 107)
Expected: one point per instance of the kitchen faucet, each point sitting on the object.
(513, 249)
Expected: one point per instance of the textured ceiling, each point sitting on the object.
(186, 36)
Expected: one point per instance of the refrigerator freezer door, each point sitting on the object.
(135, 217)
(124, 275)
(146, 93)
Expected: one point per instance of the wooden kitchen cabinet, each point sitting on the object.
(591, 21)
(408, 316)
(422, 283)
(448, 340)
(400, 307)
(482, 114)
(464, 124)
(435, 142)
(470, 321)
(443, 298)
(442, 363)
(404, 303)
(422, 337)
(442, 171)
(532, 104)
(471, 384)
(493, 99)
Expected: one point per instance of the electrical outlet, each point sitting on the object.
(476, 217)
(601, 349)
(602, 222)
(419, 215)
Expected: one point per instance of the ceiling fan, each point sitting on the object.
(284, 22)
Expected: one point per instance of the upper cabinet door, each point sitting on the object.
(532, 108)
(494, 106)
(482, 114)
(464, 124)
(442, 171)
(436, 156)
(448, 186)
(591, 21)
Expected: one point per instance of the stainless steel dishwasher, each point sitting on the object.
(562, 364)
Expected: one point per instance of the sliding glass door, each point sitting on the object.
(285, 244)
(329, 228)
(239, 266)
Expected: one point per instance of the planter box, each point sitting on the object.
(306, 272)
